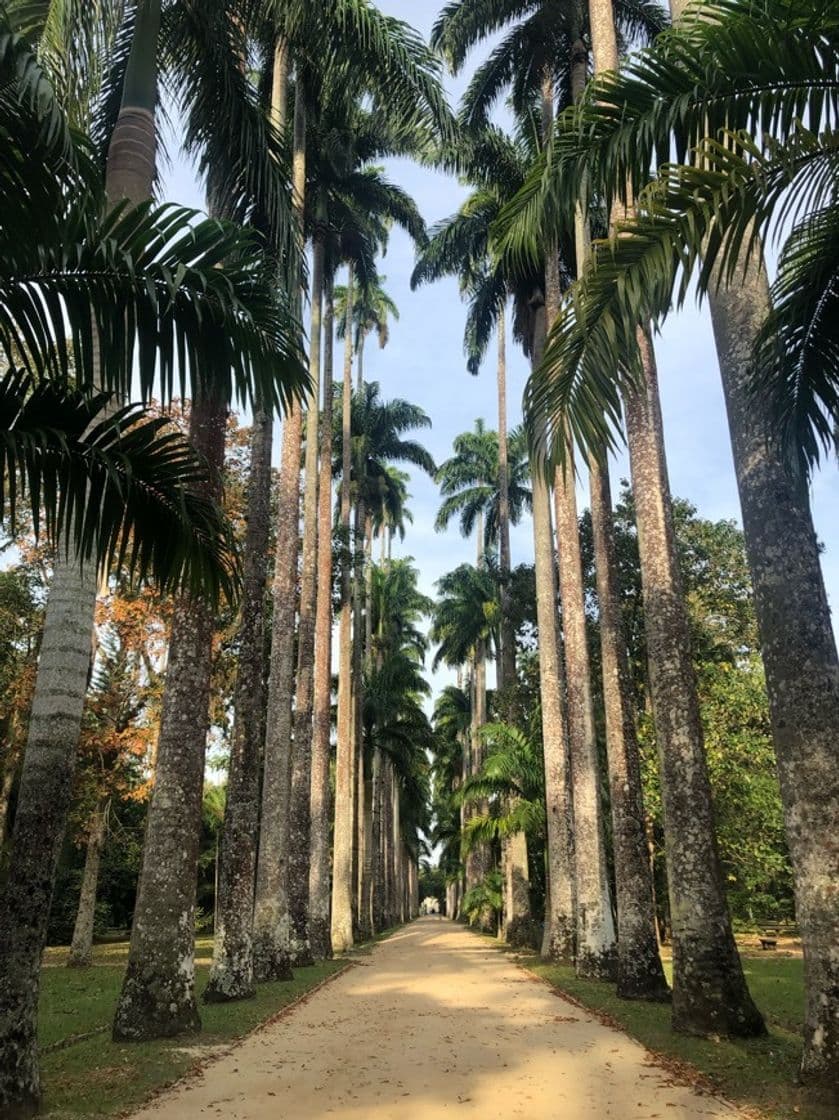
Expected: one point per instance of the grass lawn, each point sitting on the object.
(97, 1077)
(759, 1074)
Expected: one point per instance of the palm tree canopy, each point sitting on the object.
(468, 482)
(378, 429)
(117, 486)
(705, 89)
(466, 613)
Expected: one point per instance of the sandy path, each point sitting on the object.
(435, 1023)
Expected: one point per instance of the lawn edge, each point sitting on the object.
(223, 1049)
(690, 1075)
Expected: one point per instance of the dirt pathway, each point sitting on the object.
(435, 1023)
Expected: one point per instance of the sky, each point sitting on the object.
(424, 363)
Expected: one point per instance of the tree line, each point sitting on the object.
(582, 230)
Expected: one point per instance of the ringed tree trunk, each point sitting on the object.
(800, 660)
(558, 938)
(341, 931)
(272, 923)
(301, 781)
(231, 976)
(321, 794)
(709, 988)
(640, 972)
(596, 956)
(517, 917)
(361, 777)
(157, 999)
(799, 654)
(81, 947)
(63, 668)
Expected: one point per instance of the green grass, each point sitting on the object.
(97, 1077)
(759, 1074)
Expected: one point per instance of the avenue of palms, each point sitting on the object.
(225, 632)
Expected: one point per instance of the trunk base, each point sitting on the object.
(522, 933)
(710, 994)
(20, 1082)
(153, 1004)
(601, 965)
(227, 985)
(270, 962)
(74, 961)
(320, 940)
(649, 987)
(301, 957)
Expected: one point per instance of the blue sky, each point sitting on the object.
(424, 363)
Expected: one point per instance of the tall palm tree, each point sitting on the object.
(707, 959)
(465, 624)
(377, 430)
(332, 189)
(685, 212)
(259, 336)
(372, 310)
(157, 997)
(469, 484)
(452, 720)
(544, 56)
(232, 974)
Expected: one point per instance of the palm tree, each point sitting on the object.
(481, 484)
(452, 720)
(145, 303)
(372, 308)
(232, 974)
(157, 997)
(684, 212)
(511, 784)
(691, 849)
(469, 483)
(332, 189)
(376, 439)
(465, 624)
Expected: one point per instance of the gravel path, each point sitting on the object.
(435, 1023)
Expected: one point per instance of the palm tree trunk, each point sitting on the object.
(301, 781)
(799, 652)
(272, 923)
(157, 999)
(81, 947)
(596, 956)
(63, 666)
(507, 657)
(341, 930)
(558, 938)
(709, 989)
(377, 870)
(321, 794)
(640, 972)
(231, 976)
(369, 867)
(361, 778)
(517, 917)
(800, 661)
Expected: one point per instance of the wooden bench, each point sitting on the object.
(769, 937)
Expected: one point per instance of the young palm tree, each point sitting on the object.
(511, 787)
